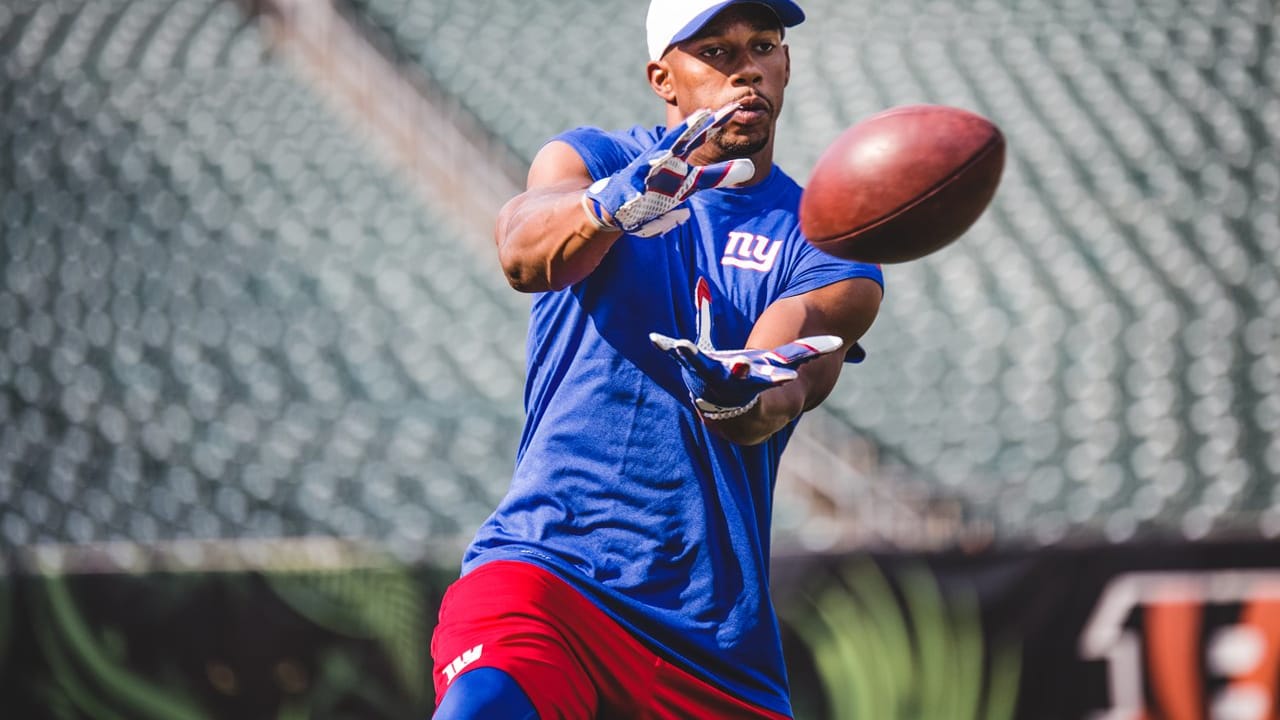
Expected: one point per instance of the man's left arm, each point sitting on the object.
(846, 309)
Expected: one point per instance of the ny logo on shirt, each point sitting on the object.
(751, 252)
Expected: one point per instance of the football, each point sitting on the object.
(902, 183)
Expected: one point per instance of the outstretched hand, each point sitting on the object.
(727, 383)
(642, 198)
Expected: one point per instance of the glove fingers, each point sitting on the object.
(678, 348)
(706, 368)
(732, 357)
(736, 381)
(794, 354)
(730, 378)
(664, 343)
(687, 136)
(755, 368)
(730, 173)
(773, 375)
(659, 178)
(713, 367)
(700, 125)
(662, 223)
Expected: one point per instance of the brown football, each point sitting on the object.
(902, 183)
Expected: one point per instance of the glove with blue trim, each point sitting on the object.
(727, 383)
(642, 198)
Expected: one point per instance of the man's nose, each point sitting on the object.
(748, 73)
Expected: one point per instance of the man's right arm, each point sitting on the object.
(546, 240)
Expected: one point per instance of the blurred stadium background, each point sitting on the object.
(260, 376)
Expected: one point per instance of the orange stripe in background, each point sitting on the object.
(1264, 617)
(1173, 654)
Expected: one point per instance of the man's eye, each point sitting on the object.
(713, 52)
(766, 47)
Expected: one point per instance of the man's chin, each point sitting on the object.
(741, 146)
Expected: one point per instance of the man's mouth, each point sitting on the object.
(751, 109)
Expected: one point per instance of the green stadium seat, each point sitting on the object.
(220, 316)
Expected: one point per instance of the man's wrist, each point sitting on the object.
(595, 212)
(711, 411)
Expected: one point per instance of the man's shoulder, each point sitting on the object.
(606, 151)
(635, 138)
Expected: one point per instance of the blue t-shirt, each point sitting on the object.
(619, 488)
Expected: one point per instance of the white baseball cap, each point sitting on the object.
(673, 21)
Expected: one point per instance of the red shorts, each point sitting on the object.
(571, 659)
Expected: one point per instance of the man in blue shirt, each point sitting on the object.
(625, 574)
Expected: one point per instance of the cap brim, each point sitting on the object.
(788, 12)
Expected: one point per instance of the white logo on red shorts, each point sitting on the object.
(466, 658)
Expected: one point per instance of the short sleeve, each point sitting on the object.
(814, 269)
(604, 153)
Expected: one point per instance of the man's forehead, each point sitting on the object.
(758, 17)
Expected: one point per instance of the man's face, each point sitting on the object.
(739, 55)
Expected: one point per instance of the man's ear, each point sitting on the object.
(660, 81)
(786, 50)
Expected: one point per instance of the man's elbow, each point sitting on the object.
(528, 272)
(522, 272)
(524, 278)
(516, 273)
(521, 275)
